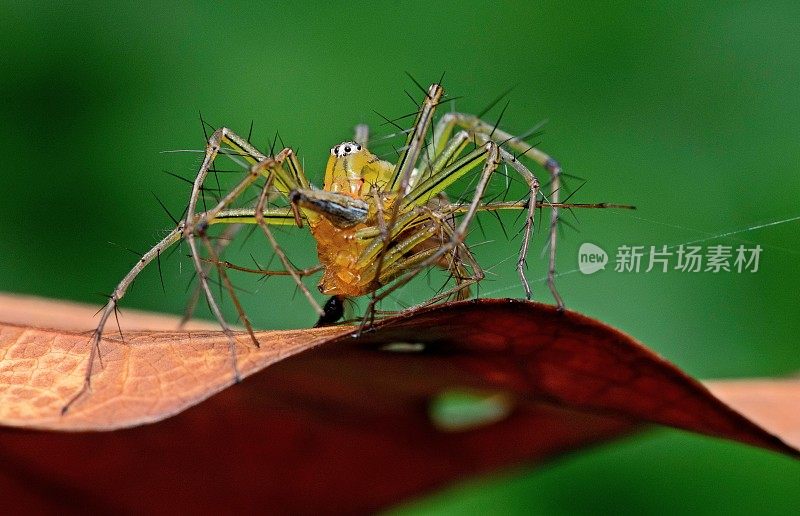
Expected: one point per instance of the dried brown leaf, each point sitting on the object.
(336, 423)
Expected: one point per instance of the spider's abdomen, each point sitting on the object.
(338, 252)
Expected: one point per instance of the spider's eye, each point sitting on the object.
(345, 148)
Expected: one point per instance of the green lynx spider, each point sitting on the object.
(377, 224)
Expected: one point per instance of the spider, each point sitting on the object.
(376, 224)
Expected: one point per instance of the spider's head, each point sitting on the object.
(352, 170)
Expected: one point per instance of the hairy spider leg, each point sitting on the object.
(489, 154)
(222, 242)
(402, 176)
(196, 224)
(484, 131)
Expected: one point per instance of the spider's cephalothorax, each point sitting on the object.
(376, 224)
(351, 201)
(353, 170)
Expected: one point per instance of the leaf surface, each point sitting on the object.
(335, 423)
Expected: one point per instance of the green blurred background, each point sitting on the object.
(689, 111)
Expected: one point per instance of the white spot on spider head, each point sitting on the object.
(345, 148)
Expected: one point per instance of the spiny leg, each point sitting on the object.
(224, 239)
(236, 218)
(490, 153)
(402, 177)
(265, 272)
(175, 235)
(185, 230)
(453, 262)
(440, 171)
(492, 161)
(259, 215)
(197, 225)
(533, 185)
(220, 136)
(527, 205)
(111, 306)
(460, 255)
(440, 175)
(487, 131)
(437, 211)
(264, 217)
(229, 287)
(555, 187)
(464, 279)
(402, 180)
(422, 192)
(271, 167)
